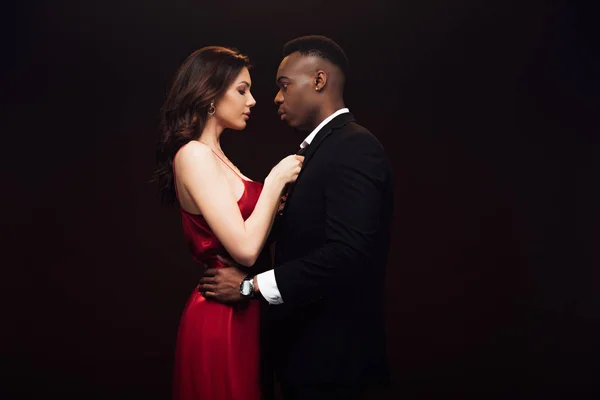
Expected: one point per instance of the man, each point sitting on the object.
(325, 293)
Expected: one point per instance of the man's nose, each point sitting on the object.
(278, 98)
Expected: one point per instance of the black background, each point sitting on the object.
(485, 109)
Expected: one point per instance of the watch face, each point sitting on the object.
(246, 288)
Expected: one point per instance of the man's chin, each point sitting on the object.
(294, 124)
(291, 123)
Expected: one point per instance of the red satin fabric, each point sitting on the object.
(217, 353)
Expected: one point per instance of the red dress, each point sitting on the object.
(217, 353)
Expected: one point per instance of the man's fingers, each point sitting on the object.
(208, 279)
(204, 287)
(209, 295)
(211, 272)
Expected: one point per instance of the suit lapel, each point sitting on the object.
(336, 123)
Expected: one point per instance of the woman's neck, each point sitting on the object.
(211, 136)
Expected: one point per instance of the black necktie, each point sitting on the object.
(288, 187)
(302, 150)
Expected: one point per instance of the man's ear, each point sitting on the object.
(320, 80)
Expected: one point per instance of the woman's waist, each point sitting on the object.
(222, 259)
(215, 261)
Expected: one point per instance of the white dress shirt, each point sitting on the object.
(266, 281)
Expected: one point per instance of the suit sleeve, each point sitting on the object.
(353, 198)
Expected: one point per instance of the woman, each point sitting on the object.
(223, 213)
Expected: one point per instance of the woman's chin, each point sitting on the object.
(238, 127)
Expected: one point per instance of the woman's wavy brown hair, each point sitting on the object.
(203, 78)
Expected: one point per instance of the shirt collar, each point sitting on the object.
(312, 135)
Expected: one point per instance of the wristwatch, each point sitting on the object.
(247, 287)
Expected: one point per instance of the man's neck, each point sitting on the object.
(325, 111)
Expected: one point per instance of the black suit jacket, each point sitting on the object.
(331, 253)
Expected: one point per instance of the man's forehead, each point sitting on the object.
(296, 63)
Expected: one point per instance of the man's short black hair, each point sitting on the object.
(318, 46)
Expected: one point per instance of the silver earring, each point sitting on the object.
(211, 109)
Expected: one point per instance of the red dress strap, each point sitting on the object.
(243, 180)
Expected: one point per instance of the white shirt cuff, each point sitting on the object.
(268, 287)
